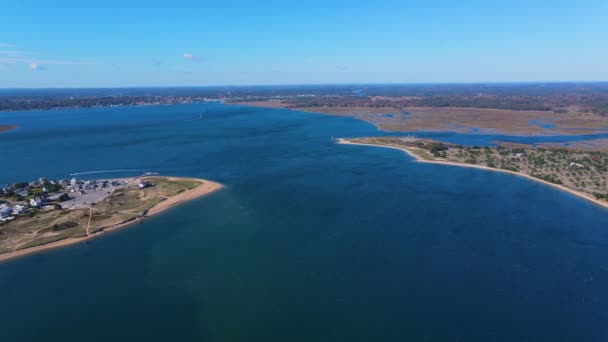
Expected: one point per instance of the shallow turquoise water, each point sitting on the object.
(310, 241)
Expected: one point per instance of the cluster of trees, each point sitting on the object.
(439, 150)
(600, 196)
(557, 97)
(594, 100)
(548, 178)
(14, 104)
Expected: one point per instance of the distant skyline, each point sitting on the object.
(65, 43)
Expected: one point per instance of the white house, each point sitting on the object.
(5, 212)
(144, 184)
(577, 165)
(19, 210)
(37, 201)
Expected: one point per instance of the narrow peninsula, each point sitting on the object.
(45, 214)
(580, 172)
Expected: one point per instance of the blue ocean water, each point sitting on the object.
(309, 241)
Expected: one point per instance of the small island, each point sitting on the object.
(44, 214)
(583, 173)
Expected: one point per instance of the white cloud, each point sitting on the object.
(191, 57)
(35, 66)
(14, 56)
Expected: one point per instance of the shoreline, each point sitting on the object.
(419, 159)
(206, 188)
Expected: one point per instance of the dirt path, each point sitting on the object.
(89, 223)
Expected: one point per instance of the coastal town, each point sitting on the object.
(581, 172)
(43, 194)
(47, 213)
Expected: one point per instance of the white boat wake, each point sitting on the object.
(107, 171)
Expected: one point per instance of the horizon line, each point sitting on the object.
(310, 85)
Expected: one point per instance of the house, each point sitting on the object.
(88, 185)
(577, 165)
(5, 212)
(37, 201)
(144, 184)
(19, 210)
(23, 193)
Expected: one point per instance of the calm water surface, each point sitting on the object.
(309, 241)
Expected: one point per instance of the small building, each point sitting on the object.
(37, 201)
(23, 193)
(5, 212)
(144, 184)
(88, 185)
(19, 210)
(577, 165)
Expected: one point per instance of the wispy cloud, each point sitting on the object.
(192, 57)
(36, 66)
(14, 56)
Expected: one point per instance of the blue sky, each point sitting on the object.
(68, 43)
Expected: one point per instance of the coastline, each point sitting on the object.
(206, 188)
(419, 159)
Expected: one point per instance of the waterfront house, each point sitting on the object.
(5, 212)
(144, 184)
(37, 201)
(19, 210)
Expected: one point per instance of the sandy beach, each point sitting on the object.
(421, 160)
(206, 188)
